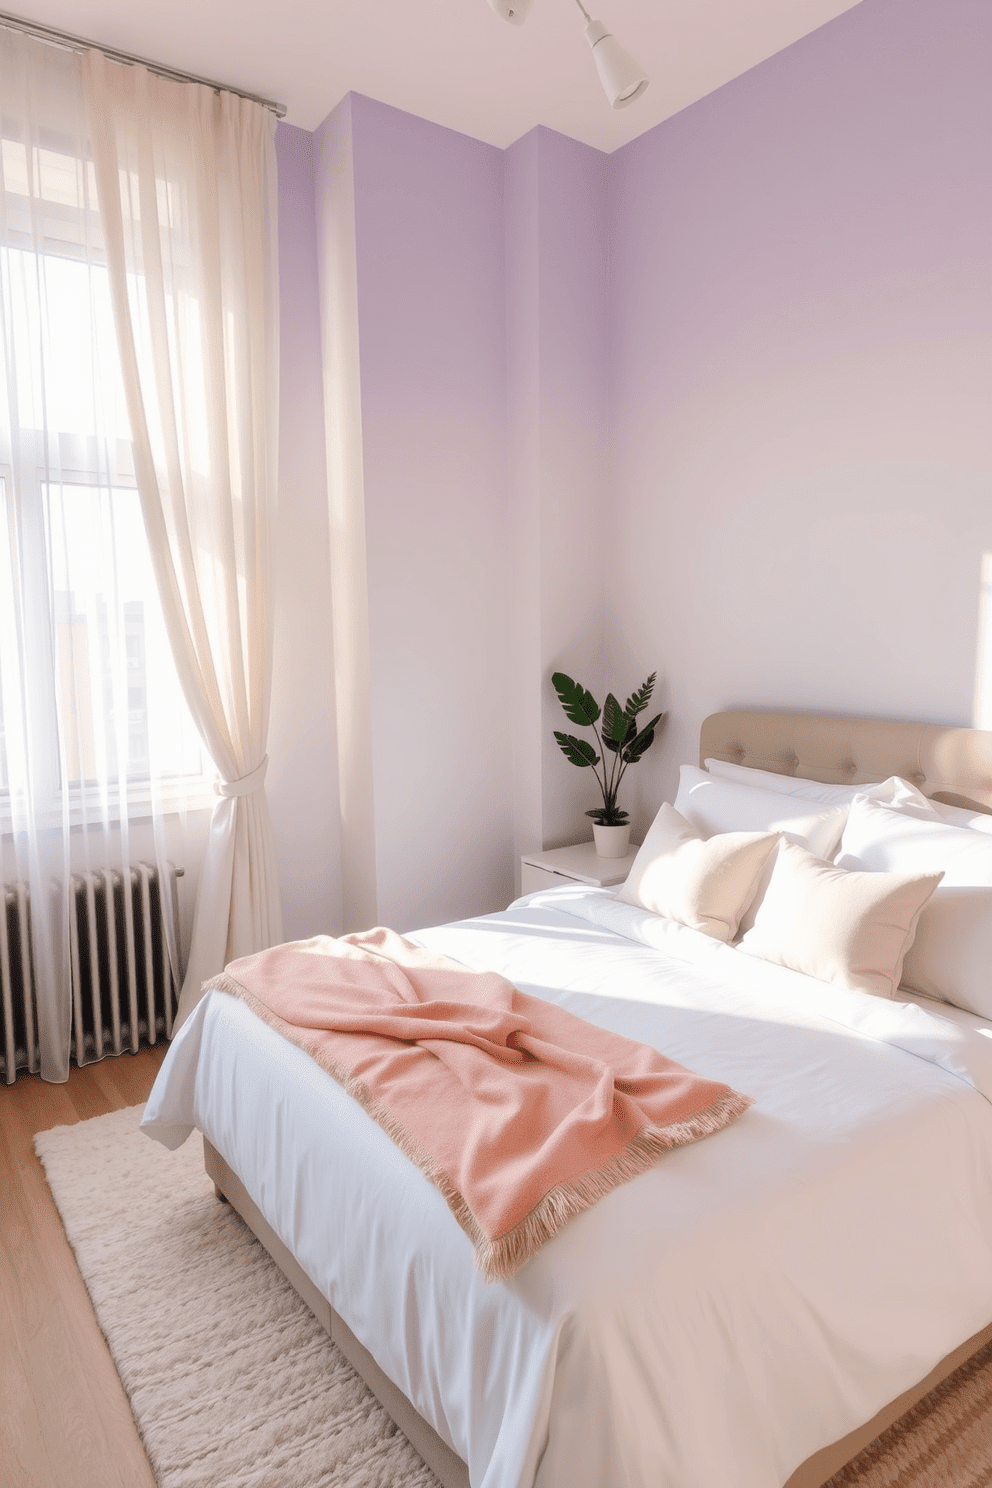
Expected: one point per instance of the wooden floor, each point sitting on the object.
(64, 1417)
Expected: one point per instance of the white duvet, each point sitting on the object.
(712, 1323)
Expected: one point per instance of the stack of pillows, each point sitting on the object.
(872, 887)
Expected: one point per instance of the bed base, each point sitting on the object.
(447, 1466)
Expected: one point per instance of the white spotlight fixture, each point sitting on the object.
(514, 11)
(622, 79)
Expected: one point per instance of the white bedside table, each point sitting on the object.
(578, 864)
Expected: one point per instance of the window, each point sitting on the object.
(78, 600)
(102, 646)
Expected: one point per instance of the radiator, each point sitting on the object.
(123, 991)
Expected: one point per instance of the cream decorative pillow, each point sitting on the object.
(850, 928)
(704, 884)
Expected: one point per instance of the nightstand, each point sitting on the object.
(578, 864)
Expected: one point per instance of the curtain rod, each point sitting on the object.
(81, 44)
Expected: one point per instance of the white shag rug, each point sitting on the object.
(232, 1381)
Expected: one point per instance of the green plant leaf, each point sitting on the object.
(580, 706)
(616, 724)
(639, 700)
(642, 742)
(578, 751)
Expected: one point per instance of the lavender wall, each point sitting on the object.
(801, 306)
(574, 357)
(429, 247)
(521, 228)
(301, 784)
(558, 385)
(479, 356)
(718, 404)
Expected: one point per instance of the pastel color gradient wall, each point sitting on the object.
(302, 778)
(719, 403)
(801, 391)
(557, 335)
(429, 245)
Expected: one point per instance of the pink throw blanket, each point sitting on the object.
(521, 1113)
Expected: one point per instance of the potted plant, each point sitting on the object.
(620, 738)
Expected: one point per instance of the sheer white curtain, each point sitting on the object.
(95, 740)
(187, 183)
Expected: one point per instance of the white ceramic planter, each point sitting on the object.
(611, 842)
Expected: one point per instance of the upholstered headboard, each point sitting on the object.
(953, 765)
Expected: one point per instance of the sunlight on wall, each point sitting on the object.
(982, 711)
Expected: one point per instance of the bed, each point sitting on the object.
(753, 1310)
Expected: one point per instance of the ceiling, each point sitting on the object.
(452, 61)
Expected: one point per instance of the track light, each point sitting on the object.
(622, 79)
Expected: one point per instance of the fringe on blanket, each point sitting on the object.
(502, 1256)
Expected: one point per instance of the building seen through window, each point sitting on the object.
(88, 688)
(82, 692)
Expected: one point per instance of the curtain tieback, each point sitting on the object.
(246, 785)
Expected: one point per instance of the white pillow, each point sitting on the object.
(724, 806)
(963, 816)
(704, 884)
(951, 957)
(853, 929)
(895, 791)
(786, 785)
(901, 796)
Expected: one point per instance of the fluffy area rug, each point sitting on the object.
(257, 1396)
(231, 1379)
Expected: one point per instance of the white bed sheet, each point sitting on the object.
(749, 1300)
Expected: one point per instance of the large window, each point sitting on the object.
(78, 600)
(111, 644)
